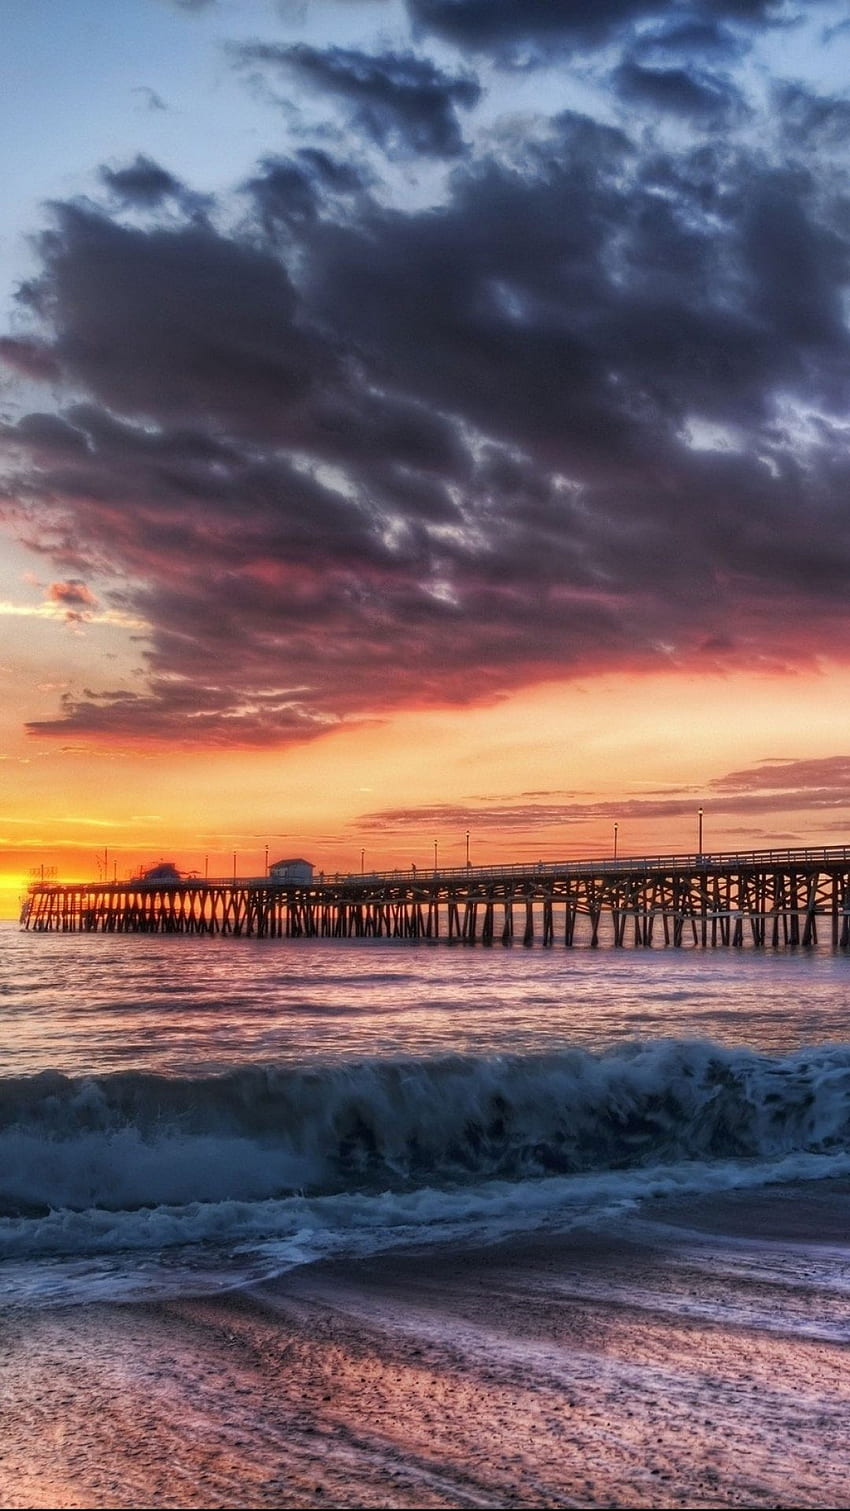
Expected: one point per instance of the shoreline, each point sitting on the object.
(624, 1367)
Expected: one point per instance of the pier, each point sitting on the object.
(762, 898)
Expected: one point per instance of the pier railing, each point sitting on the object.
(594, 866)
(604, 865)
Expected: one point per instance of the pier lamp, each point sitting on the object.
(362, 860)
(435, 855)
(699, 851)
(616, 827)
(234, 868)
(467, 849)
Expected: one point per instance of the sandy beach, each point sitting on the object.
(563, 1371)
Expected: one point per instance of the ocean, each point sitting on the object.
(617, 1178)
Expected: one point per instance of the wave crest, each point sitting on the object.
(135, 1140)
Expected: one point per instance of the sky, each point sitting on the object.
(421, 419)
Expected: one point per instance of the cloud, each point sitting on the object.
(143, 182)
(30, 358)
(500, 24)
(692, 95)
(508, 28)
(813, 121)
(293, 190)
(696, 37)
(777, 786)
(74, 597)
(339, 448)
(401, 102)
(822, 779)
(208, 715)
(72, 611)
(172, 322)
(153, 101)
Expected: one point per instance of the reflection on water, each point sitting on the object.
(174, 1005)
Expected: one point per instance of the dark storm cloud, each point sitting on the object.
(813, 121)
(283, 191)
(403, 103)
(696, 38)
(143, 182)
(503, 26)
(579, 310)
(585, 409)
(698, 97)
(47, 434)
(803, 269)
(495, 24)
(257, 570)
(333, 175)
(298, 189)
(31, 358)
(173, 322)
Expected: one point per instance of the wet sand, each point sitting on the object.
(561, 1371)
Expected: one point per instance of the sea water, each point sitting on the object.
(182, 1115)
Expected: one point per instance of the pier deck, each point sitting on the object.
(764, 898)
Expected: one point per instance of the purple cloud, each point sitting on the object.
(346, 452)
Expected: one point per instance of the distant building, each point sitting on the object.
(164, 870)
(291, 870)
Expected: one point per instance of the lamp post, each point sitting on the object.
(435, 855)
(699, 851)
(467, 849)
(616, 827)
(362, 860)
(234, 868)
(267, 860)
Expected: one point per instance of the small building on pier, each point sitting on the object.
(291, 870)
(164, 870)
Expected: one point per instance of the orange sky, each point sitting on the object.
(545, 773)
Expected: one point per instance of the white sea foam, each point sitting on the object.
(140, 1139)
(203, 1246)
(286, 1164)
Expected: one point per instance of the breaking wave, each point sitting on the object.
(138, 1161)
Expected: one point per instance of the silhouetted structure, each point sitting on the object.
(761, 897)
(291, 870)
(164, 870)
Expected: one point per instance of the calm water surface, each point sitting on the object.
(178, 1006)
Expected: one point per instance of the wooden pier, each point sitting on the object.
(769, 898)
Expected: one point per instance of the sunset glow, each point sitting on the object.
(420, 418)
